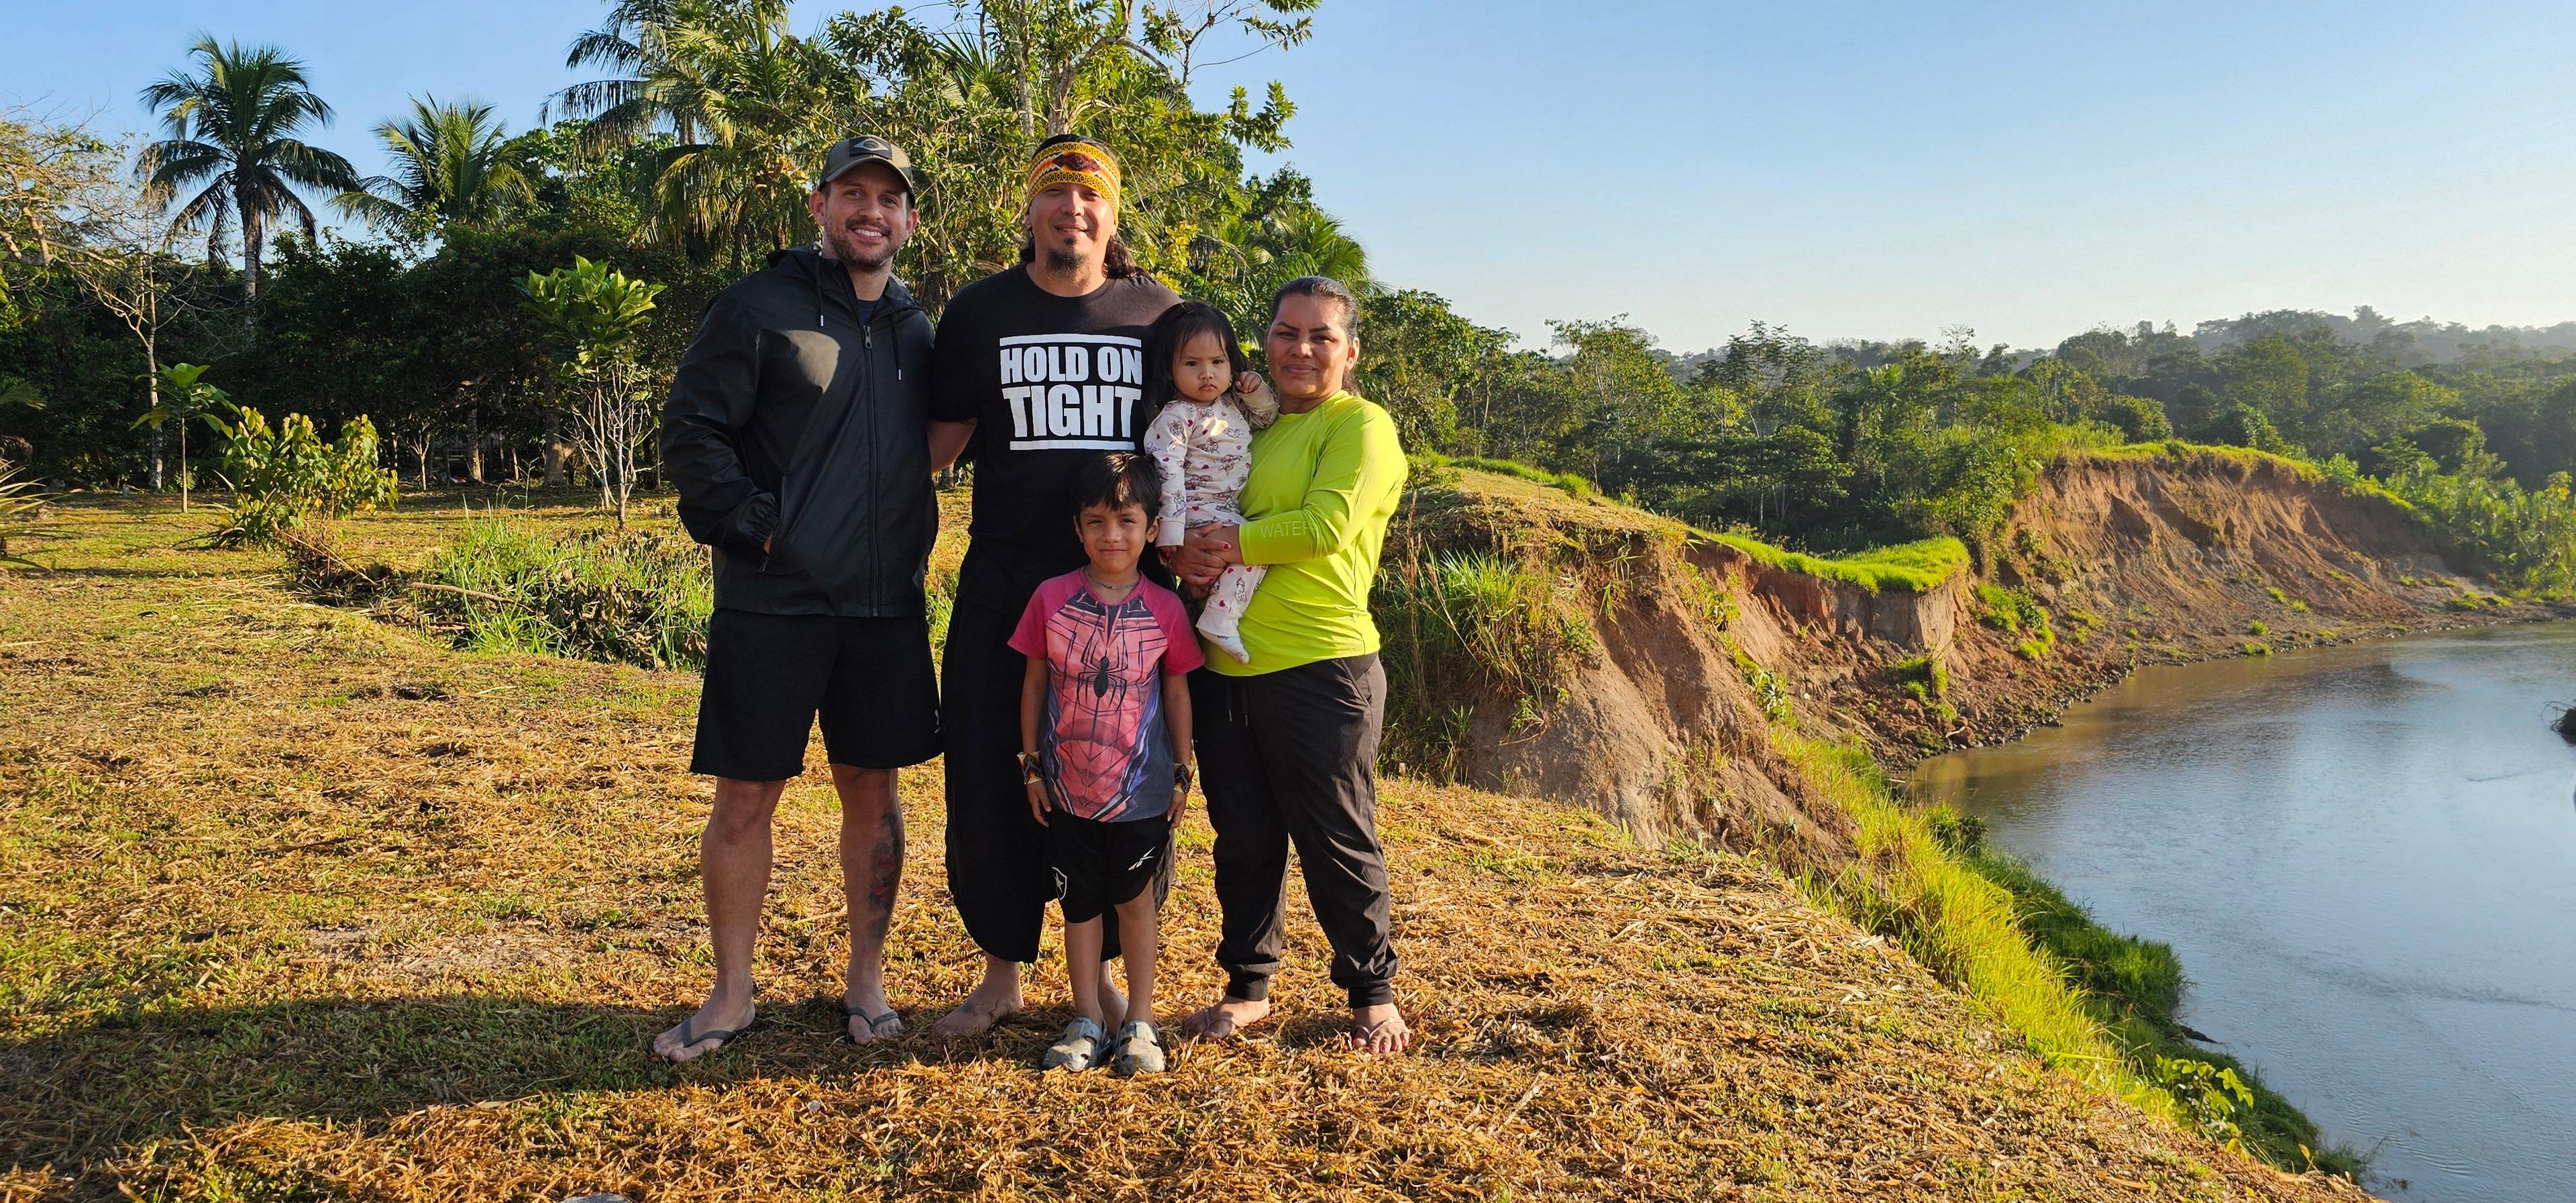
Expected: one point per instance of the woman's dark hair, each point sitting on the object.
(1326, 287)
(1116, 480)
(1173, 331)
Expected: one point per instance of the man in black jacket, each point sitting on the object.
(797, 435)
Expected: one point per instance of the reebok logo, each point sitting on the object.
(1072, 392)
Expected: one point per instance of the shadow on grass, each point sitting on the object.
(79, 1097)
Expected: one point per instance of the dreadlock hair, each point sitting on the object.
(1173, 331)
(1116, 480)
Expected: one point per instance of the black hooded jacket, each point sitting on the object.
(792, 423)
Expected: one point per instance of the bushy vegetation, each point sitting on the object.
(627, 597)
(282, 476)
(1462, 629)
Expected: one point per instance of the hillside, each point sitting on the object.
(302, 905)
(1697, 647)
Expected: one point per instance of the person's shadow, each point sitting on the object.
(71, 1100)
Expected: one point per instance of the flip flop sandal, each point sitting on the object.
(1078, 1048)
(875, 1022)
(1140, 1049)
(690, 1037)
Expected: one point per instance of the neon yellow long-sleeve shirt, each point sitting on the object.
(1324, 482)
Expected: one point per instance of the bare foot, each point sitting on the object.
(998, 995)
(1379, 1030)
(1222, 1020)
(710, 1029)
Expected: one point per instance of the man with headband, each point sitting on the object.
(1037, 369)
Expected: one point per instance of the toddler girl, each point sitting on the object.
(1202, 441)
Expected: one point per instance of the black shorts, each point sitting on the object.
(769, 675)
(1099, 865)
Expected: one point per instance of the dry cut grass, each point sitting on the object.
(300, 906)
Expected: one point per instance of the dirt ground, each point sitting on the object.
(300, 905)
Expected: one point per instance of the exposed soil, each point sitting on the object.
(2136, 561)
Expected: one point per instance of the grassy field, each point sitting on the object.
(303, 905)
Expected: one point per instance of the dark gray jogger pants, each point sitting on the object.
(1290, 757)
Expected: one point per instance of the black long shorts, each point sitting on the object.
(769, 675)
(1100, 865)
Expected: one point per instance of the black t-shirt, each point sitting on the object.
(1049, 382)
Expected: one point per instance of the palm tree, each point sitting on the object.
(449, 166)
(748, 105)
(232, 129)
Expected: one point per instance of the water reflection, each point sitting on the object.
(2364, 856)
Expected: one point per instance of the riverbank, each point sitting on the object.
(2355, 850)
(307, 905)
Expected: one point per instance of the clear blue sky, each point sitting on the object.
(1874, 170)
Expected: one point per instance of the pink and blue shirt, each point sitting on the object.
(1102, 737)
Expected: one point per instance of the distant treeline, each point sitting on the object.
(421, 326)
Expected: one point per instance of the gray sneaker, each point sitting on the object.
(1078, 1048)
(1140, 1049)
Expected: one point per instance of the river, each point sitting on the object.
(2366, 857)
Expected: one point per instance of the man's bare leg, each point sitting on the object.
(1380, 1030)
(871, 871)
(733, 863)
(996, 996)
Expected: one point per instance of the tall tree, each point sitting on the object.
(233, 124)
(451, 164)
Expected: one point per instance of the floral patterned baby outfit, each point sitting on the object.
(1205, 452)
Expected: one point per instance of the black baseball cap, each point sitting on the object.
(867, 148)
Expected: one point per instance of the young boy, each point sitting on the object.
(1105, 750)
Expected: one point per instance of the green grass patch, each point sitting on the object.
(1573, 485)
(625, 597)
(1460, 627)
(1915, 567)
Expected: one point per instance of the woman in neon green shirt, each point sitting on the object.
(1288, 738)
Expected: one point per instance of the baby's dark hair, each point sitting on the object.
(1116, 480)
(1173, 331)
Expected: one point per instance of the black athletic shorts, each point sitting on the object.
(1099, 865)
(769, 675)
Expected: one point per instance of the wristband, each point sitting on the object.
(1183, 777)
(1030, 765)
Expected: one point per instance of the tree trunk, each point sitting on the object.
(558, 452)
(473, 447)
(253, 238)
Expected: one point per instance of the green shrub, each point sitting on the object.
(1459, 627)
(282, 476)
(2256, 628)
(632, 597)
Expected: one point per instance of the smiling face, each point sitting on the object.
(1311, 347)
(1071, 225)
(865, 216)
(1113, 538)
(1201, 369)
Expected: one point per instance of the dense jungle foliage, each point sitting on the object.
(684, 163)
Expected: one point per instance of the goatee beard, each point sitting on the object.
(1063, 262)
(845, 248)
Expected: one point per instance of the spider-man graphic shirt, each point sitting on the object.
(1107, 752)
